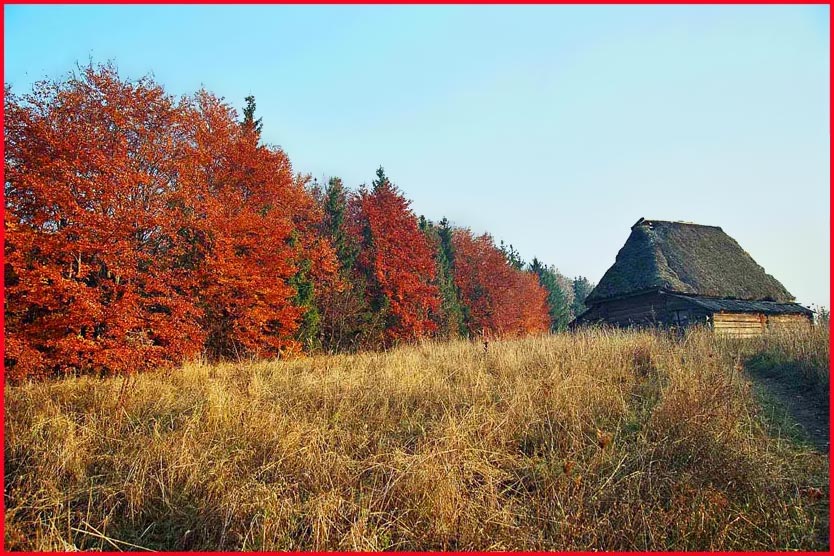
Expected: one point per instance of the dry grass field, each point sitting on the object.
(595, 440)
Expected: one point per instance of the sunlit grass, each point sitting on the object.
(594, 440)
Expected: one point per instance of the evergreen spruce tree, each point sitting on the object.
(249, 122)
(513, 256)
(346, 314)
(335, 205)
(581, 288)
(308, 332)
(452, 313)
(305, 298)
(381, 179)
(559, 308)
(379, 302)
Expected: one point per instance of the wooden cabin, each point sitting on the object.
(678, 274)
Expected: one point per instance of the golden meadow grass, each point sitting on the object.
(594, 440)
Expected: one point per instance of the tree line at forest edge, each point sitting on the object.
(141, 229)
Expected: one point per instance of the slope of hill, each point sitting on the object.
(594, 440)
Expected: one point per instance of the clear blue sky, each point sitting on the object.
(552, 127)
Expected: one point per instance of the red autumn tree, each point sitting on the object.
(396, 260)
(140, 230)
(253, 224)
(500, 300)
(531, 316)
(91, 252)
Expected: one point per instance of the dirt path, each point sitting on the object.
(802, 406)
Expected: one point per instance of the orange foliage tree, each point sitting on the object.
(141, 230)
(397, 260)
(500, 300)
(91, 252)
(253, 224)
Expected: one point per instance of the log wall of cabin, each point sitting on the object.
(747, 325)
(637, 310)
(739, 325)
(657, 308)
(654, 308)
(788, 321)
(683, 313)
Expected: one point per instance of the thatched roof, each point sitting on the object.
(687, 259)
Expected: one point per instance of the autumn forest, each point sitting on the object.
(142, 230)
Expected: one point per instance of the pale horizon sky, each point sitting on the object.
(554, 128)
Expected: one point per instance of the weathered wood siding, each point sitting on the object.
(787, 321)
(636, 310)
(681, 312)
(659, 309)
(648, 309)
(741, 325)
(746, 325)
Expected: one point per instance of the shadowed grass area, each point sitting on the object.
(595, 440)
(790, 370)
(795, 355)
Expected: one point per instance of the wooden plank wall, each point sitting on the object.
(746, 325)
(642, 309)
(649, 309)
(694, 313)
(739, 325)
(787, 321)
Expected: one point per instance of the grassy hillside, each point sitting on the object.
(602, 439)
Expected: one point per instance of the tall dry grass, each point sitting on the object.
(594, 440)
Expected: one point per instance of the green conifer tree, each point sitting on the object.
(249, 122)
(305, 298)
(335, 205)
(452, 313)
(559, 309)
(513, 256)
(381, 179)
(581, 288)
